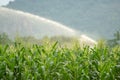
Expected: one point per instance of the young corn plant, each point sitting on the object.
(53, 62)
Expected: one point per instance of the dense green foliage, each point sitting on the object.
(48, 60)
(52, 62)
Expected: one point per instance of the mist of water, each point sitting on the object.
(51, 22)
(59, 25)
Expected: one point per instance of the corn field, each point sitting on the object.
(52, 62)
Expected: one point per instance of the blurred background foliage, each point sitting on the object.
(62, 40)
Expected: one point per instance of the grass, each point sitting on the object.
(52, 62)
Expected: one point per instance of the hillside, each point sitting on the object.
(96, 18)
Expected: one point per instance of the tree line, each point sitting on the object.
(4, 39)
